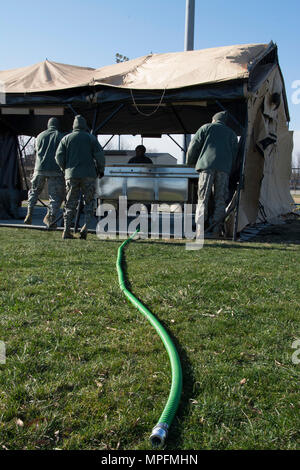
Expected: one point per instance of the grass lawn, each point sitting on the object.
(85, 370)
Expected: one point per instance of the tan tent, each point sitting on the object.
(173, 93)
(152, 72)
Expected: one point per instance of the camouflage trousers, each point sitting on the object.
(75, 186)
(56, 192)
(216, 183)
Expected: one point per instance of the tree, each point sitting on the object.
(121, 58)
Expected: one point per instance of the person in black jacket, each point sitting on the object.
(140, 156)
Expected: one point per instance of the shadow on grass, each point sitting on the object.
(278, 245)
(238, 245)
(222, 244)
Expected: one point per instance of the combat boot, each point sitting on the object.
(28, 218)
(51, 222)
(83, 232)
(46, 219)
(67, 235)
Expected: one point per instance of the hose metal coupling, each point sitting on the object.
(159, 434)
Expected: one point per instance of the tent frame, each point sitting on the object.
(115, 110)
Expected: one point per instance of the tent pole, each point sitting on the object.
(72, 109)
(179, 119)
(109, 118)
(185, 144)
(94, 120)
(22, 164)
(241, 178)
(188, 46)
(175, 142)
(24, 146)
(108, 141)
(189, 25)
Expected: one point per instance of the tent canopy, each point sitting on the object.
(152, 72)
(151, 95)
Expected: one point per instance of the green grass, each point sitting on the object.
(85, 370)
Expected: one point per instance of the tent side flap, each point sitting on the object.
(10, 180)
(266, 194)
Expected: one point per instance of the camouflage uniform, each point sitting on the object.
(87, 186)
(216, 182)
(56, 191)
(46, 169)
(81, 158)
(213, 151)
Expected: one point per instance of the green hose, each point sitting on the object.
(160, 431)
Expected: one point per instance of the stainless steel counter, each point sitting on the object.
(148, 183)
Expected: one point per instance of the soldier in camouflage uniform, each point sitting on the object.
(213, 151)
(46, 169)
(81, 158)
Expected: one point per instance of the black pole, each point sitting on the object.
(241, 181)
(106, 143)
(175, 142)
(188, 46)
(22, 164)
(179, 119)
(109, 118)
(94, 120)
(24, 146)
(189, 25)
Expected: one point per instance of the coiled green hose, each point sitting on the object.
(160, 431)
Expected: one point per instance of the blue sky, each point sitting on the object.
(91, 32)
